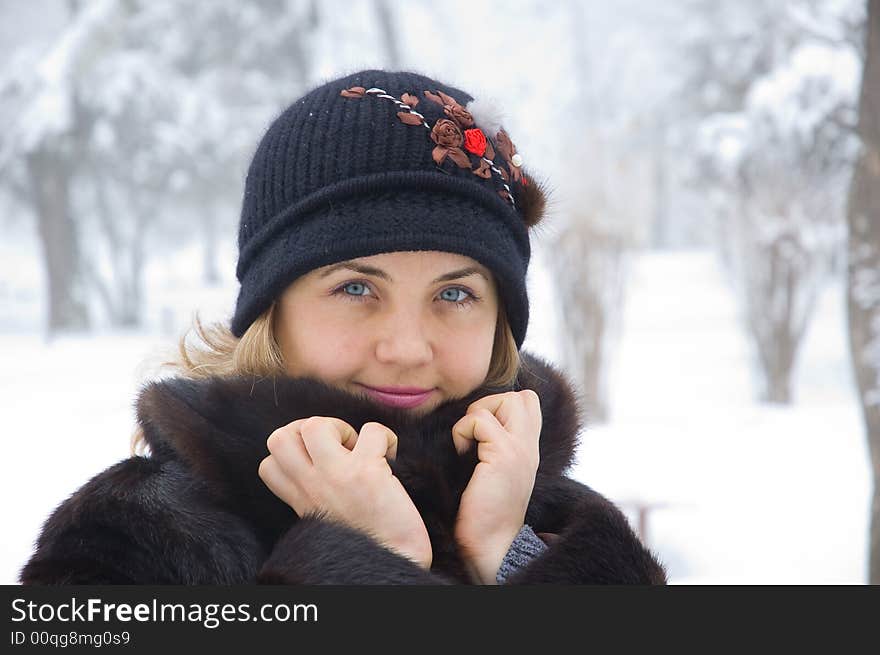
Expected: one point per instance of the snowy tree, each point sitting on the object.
(589, 265)
(46, 135)
(604, 197)
(778, 168)
(136, 130)
(863, 272)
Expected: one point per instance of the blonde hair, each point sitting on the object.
(257, 353)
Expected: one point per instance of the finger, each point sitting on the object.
(476, 425)
(287, 446)
(533, 408)
(324, 438)
(519, 412)
(347, 433)
(280, 484)
(376, 440)
(509, 408)
(348, 436)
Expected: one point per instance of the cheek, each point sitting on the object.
(318, 343)
(466, 358)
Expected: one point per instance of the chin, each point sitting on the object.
(421, 410)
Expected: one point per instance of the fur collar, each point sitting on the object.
(218, 427)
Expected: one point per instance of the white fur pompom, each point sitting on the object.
(487, 115)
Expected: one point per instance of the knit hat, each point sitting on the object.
(379, 162)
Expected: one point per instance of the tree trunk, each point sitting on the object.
(863, 270)
(777, 383)
(50, 188)
(781, 283)
(588, 269)
(661, 233)
(388, 34)
(594, 364)
(778, 343)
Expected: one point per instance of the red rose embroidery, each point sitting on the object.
(475, 141)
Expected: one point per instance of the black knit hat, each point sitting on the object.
(380, 162)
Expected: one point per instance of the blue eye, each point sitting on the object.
(460, 302)
(356, 285)
(455, 291)
(360, 291)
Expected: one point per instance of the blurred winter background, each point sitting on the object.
(709, 275)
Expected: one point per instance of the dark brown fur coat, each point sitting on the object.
(196, 512)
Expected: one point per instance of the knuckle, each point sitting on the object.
(294, 427)
(368, 431)
(374, 426)
(343, 427)
(312, 426)
(311, 423)
(274, 439)
(378, 431)
(528, 396)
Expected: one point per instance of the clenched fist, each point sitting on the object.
(322, 464)
(507, 429)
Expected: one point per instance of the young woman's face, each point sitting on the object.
(423, 320)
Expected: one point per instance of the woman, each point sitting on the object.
(368, 417)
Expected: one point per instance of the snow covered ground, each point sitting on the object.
(747, 493)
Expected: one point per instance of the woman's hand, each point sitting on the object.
(507, 429)
(321, 464)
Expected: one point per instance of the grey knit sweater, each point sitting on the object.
(525, 547)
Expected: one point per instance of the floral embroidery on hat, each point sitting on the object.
(475, 141)
(508, 151)
(353, 92)
(483, 170)
(451, 108)
(455, 136)
(447, 135)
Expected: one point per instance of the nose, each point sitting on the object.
(404, 340)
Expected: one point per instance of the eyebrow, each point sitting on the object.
(378, 272)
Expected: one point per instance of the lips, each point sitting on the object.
(406, 397)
